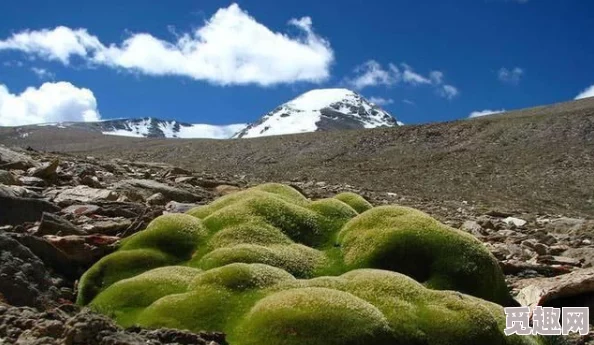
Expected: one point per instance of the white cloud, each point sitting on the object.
(589, 92)
(372, 73)
(51, 102)
(447, 91)
(512, 76)
(58, 44)
(485, 112)
(411, 77)
(42, 73)
(408, 101)
(381, 101)
(230, 48)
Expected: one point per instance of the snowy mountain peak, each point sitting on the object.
(320, 110)
(150, 127)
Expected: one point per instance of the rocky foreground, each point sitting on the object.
(59, 214)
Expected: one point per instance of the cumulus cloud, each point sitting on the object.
(372, 73)
(485, 112)
(589, 92)
(230, 48)
(381, 101)
(511, 76)
(51, 102)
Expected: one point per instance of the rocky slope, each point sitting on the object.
(537, 159)
(317, 111)
(62, 213)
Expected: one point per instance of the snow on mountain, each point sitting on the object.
(156, 128)
(320, 110)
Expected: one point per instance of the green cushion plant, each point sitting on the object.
(268, 266)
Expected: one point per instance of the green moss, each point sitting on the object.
(408, 241)
(374, 275)
(314, 316)
(126, 298)
(357, 202)
(174, 234)
(296, 259)
(117, 266)
(241, 277)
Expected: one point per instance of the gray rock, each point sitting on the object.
(81, 210)
(32, 181)
(52, 224)
(17, 210)
(586, 255)
(24, 280)
(150, 187)
(571, 226)
(178, 207)
(17, 191)
(473, 228)
(544, 291)
(10, 159)
(7, 178)
(156, 199)
(91, 181)
(558, 260)
(541, 249)
(108, 227)
(517, 222)
(84, 194)
(47, 172)
(70, 325)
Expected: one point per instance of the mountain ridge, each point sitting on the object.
(320, 110)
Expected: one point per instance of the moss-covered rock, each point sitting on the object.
(365, 275)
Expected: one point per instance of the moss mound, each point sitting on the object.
(268, 266)
(408, 241)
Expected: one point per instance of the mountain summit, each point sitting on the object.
(320, 110)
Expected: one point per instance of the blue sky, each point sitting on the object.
(219, 63)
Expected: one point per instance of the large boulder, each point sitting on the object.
(24, 280)
(10, 159)
(269, 266)
(16, 210)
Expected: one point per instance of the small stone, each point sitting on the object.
(515, 221)
(91, 181)
(32, 181)
(530, 243)
(52, 224)
(156, 199)
(178, 207)
(507, 233)
(80, 210)
(558, 249)
(541, 249)
(7, 178)
(558, 260)
(85, 194)
(108, 227)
